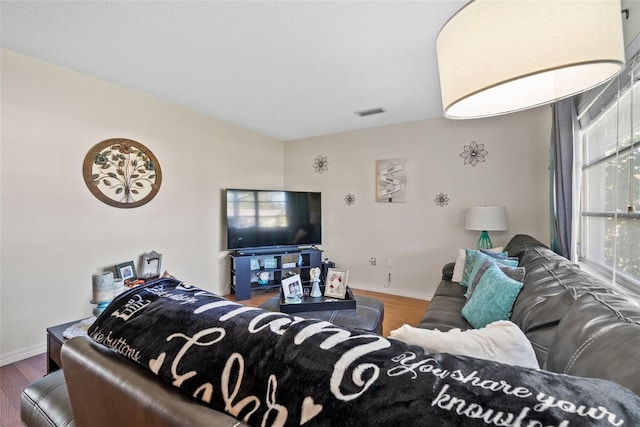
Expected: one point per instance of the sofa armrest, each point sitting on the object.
(46, 403)
(107, 390)
(447, 271)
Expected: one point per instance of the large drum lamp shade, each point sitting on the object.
(500, 56)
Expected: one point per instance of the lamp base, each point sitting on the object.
(484, 242)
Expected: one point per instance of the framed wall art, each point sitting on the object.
(391, 180)
(122, 173)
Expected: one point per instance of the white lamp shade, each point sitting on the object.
(500, 56)
(486, 218)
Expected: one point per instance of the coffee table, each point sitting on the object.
(368, 314)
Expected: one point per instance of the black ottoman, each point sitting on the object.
(368, 314)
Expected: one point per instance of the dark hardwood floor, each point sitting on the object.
(14, 377)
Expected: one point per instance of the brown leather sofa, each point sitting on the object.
(576, 324)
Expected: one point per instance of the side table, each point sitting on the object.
(54, 344)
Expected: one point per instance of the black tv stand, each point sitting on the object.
(266, 250)
(247, 263)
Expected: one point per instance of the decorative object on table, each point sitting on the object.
(350, 199)
(531, 67)
(270, 263)
(314, 275)
(105, 288)
(263, 278)
(441, 199)
(292, 288)
(78, 329)
(391, 180)
(151, 263)
(473, 153)
(102, 286)
(484, 219)
(126, 271)
(336, 283)
(326, 265)
(122, 173)
(320, 164)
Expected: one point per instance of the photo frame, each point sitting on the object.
(151, 264)
(292, 287)
(126, 271)
(335, 285)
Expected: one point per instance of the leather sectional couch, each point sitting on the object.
(576, 324)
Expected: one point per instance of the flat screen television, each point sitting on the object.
(270, 219)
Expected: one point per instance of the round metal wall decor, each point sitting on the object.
(122, 173)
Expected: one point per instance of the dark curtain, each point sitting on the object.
(561, 179)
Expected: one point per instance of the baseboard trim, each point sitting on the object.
(6, 359)
(396, 292)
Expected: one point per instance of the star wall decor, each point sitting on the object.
(350, 199)
(473, 153)
(441, 199)
(320, 164)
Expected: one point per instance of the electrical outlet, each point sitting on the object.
(389, 262)
(373, 260)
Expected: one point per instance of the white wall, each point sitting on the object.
(419, 236)
(55, 234)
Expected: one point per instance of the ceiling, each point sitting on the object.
(286, 69)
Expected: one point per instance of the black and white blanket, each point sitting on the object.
(272, 369)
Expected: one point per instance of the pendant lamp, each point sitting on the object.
(501, 56)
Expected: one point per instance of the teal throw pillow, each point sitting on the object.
(469, 263)
(515, 273)
(480, 259)
(493, 298)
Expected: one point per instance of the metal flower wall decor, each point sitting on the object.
(441, 199)
(320, 164)
(122, 173)
(473, 153)
(350, 199)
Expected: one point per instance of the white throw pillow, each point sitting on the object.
(458, 268)
(501, 341)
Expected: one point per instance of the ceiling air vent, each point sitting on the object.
(370, 112)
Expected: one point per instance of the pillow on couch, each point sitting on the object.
(458, 268)
(475, 259)
(500, 341)
(492, 299)
(516, 273)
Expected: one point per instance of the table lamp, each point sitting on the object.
(485, 219)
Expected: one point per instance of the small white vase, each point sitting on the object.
(315, 291)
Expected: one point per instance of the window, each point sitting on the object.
(610, 142)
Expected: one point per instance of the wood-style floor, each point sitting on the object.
(16, 376)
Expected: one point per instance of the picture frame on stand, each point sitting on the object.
(292, 287)
(336, 283)
(126, 271)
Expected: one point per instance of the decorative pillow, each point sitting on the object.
(501, 341)
(492, 299)
(516, 273)
(475, 260)
(460, 260)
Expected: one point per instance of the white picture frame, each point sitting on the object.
(151, 264)
(335, 285)
(292, 287)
